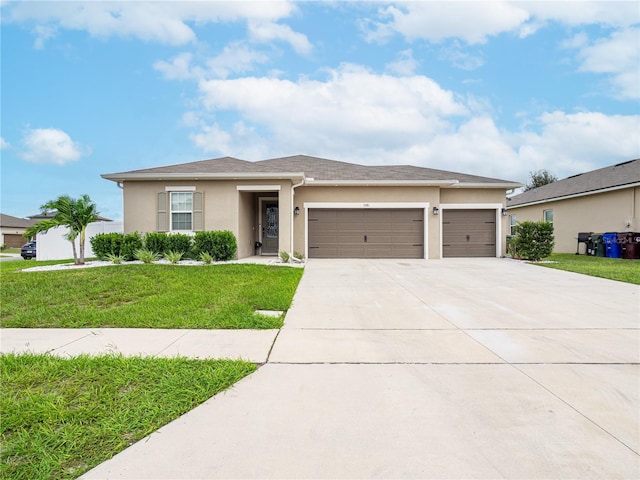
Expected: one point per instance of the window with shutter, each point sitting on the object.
(163, 220)
(198, 214)
(180, 211)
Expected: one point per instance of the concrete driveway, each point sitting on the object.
(456, 368)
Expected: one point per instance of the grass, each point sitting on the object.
(618, 269)
(145, 296)
(61, 417)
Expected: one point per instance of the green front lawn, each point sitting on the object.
(62, 417)
(145, 296)
(612, 268)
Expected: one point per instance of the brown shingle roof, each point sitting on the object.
(625, 173)
(333, 170)
(320, 169)
(9, 221)
(214, 165)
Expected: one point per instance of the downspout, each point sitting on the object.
(293, 194)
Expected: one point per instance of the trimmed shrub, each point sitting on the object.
(156, 242)
(220, 244)
(131, 242)
(178, 242)
(106, 244)
(533, 240)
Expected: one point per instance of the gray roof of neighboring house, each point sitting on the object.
(615, 176)
(45, 215)
(9, 221)
(318, 169)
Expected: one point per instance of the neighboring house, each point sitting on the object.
(600, 201)
(322, 208)
(12, 230)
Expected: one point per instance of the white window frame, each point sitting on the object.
(544, 215)
(172, 211)
(512, 224)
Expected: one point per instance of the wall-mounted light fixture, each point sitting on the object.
(296, 211)
(436, 210)
(504, 212)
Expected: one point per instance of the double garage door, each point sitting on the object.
(366, 233)
(398, 233)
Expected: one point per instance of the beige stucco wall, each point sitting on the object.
(369, 195)
(224, 208)
(616, 211)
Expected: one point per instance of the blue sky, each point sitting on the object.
(498, 89)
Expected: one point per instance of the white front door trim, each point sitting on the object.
(424, 206)
(477, 206)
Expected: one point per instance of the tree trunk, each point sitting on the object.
(82, 247)
(75, 253)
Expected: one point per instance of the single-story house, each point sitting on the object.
(322, 208)
(12, 230)
(599, 201)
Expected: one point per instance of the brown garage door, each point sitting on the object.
(12, 240)
(468, 233)
(366, 233)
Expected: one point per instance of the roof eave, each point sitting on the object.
(117, 177)
(505, 185)
(380, 183)
(575, 195)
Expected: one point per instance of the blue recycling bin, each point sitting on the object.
(612, 247)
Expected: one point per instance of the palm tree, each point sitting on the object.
(75, 214)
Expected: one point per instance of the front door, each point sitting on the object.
(269, 219)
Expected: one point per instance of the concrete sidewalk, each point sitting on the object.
(251, 345)
(459, 368)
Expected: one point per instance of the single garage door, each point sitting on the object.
(366, 233)
(468, 233)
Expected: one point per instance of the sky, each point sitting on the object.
(491, 88)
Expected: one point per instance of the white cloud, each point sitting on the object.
(235, 58)
(574, 13)
(353, 104)
(472, 22)
(459, 58)
(179, 68)
(356, 115)
(163, 22)
(619, 56)
(4, 143)
(262, 31)
(50, 146)
(404, 65)
(572, 143)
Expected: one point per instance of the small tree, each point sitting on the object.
(539, 178)
(75, 214)
(533, 240)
